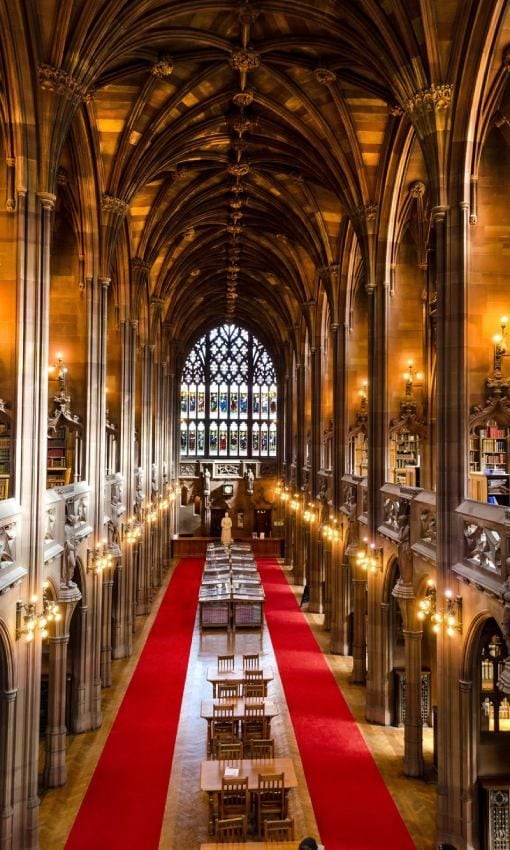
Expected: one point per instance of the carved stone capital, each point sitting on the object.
(433, 99)
(62, 83)
(395, 110)
(245, 59)
(115, 206)
(367, 211)
(139, 265)
(162, 68)
(324, 76)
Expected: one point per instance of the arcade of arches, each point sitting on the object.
(254, 257)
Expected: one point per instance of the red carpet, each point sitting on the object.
(353, 808)
(124, 805)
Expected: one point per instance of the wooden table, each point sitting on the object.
(238, 676)
(252, 845)
(212, 772)
(206, 711)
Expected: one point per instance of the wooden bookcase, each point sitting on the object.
(59, 458)
(406, 435)
(489, 469)
(6, 452)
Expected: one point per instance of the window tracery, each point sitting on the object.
(229, 397)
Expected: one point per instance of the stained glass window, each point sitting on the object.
(228, 383)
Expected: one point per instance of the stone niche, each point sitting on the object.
(243, 488)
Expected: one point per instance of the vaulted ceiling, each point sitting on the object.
(242, 136)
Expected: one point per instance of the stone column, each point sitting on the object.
(122, 614)
(341, 600)
(106, 630)
(315, 567)
(55, 770)
(377, 402)
(7, 733)
(359, 638)
(413, 725)
(327, 557)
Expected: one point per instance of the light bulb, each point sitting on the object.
(504, 320)
(29, 637)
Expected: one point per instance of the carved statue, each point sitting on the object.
(207, 482)
(113, 522)
(250, 478)
(69, 550)
(226, 530)
(139, 496)
(154, 483)
(51, 516)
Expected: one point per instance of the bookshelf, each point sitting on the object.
(488, 459)
(59, 461)
(358, 445)
(405, 457)
(6, 453)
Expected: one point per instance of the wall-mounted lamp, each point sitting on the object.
(309, 514)
(99, 559)
(131, 531)
(363, 395)
(294, 503)
(500, 344)
(330, 531)
(412, 379)
(58, 372)
(449, 616)
(370, 557)
(28, 618)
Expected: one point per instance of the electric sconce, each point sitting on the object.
(412, 379)
(99, 559)
(28, 618)
(331, 531)
(309, 515)
(294, 503)
(363, 395)
(450, 616)
(500, 344)
(370, 558)
(132, 531)
(58, 371)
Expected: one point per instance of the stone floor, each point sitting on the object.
(185, 817)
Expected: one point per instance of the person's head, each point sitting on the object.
(308, 844)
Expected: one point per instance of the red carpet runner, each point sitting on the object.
(124, 804)
(353, 808)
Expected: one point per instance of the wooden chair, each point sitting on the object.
(223, 726)
(234, 797)
(262, 749)
(251, 662)
(254, 677)
(230, 753)
(253, 724)
(228, 690)
(231, 829)
(269, 799)
(226, 663)
(254, 690)
(279, 830)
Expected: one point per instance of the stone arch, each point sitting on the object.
(7, 730)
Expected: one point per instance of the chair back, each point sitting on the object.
(262, 749)
(271, 790)
(251, 662)
(254, 711)
(234, 796)
(254, 690)
(226, 663)
(231, 753)
(231, 829)
(223, 711)
(253, 676)
(228, 690)
(279, 830)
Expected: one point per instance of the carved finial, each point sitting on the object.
(239, 169)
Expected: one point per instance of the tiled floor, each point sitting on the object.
(185, 818)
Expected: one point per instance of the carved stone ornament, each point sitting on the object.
(434, 99)
(417, 189)
(115, 206)
(49, 532)
(395, 110)
(324, 76)
(367, 211)
(244, 60)
(235, 229)
(236, 216)
(239, 169)
(7, 538)
(243, 98)
(162, 68)
(506, 58)
(62, 83)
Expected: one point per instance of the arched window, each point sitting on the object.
(229, 383)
